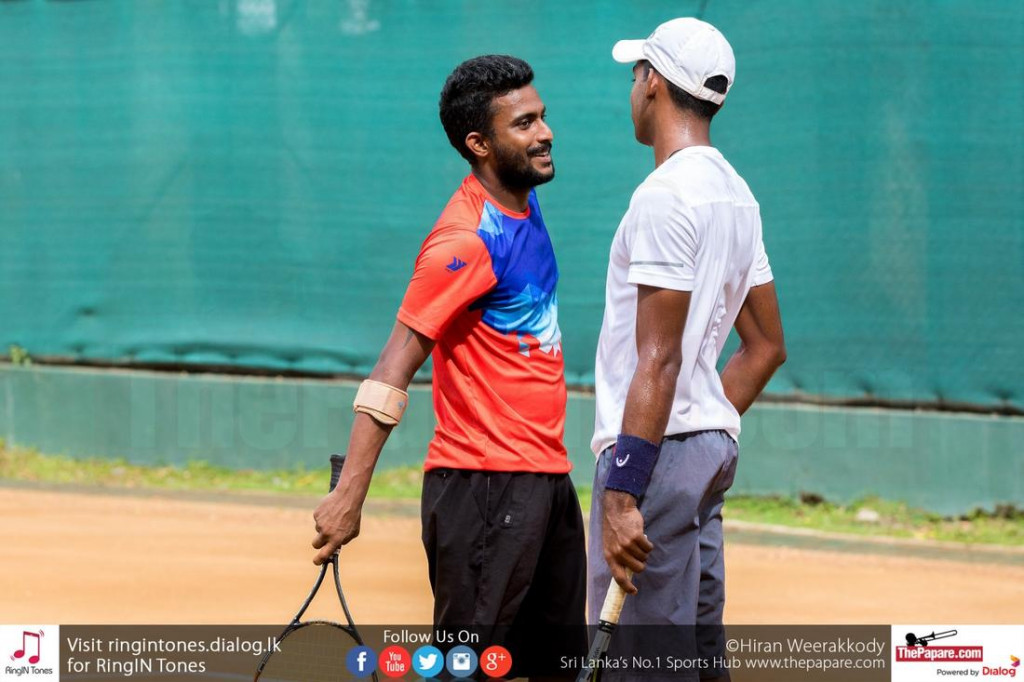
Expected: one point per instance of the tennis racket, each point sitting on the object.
(606, 624)
(314, 651)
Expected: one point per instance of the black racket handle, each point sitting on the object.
(337, 462)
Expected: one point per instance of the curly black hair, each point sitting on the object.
(468, 95)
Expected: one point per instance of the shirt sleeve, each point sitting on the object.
(762, 271)
(663, 247)
(452, 270)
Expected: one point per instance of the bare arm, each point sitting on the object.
(660, 320)
(762, 348)
(338, 516)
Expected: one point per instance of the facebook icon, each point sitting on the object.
(361, 661)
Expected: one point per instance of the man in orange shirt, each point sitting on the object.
(501, 522)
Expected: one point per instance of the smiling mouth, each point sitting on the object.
(542, 153)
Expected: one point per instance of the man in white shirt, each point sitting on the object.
(686, 265)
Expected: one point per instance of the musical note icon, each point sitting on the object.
(32, 660)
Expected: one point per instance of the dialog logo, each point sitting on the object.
(1001, 671)
(461, 661)
(361, 661)
(428, 661)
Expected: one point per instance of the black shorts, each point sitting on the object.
(507, 559)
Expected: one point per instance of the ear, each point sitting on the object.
(653, 84)
(478, 145)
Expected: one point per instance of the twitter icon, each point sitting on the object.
(427, 661)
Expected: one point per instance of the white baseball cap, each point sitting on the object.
(687, 52)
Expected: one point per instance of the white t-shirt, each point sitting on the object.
(692, 225)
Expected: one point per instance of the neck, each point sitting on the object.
(679, 133)
(514, 200)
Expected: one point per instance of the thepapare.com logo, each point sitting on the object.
(951, 653)
(919, 649)
(940, 654)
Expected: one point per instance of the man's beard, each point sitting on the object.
(515, 170)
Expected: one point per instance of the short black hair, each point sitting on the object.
(687, 102)
(468, 95)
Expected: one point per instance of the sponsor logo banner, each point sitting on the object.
(932, 651)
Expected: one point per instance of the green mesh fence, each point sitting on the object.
(247, 182)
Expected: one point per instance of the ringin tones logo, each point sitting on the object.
(30, 645)
(32, 652)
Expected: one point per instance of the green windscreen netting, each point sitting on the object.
(247, 182)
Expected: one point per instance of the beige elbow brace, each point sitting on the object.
(384, 403)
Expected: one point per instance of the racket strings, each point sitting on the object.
(312, 652)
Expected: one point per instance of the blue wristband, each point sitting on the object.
(633, 460)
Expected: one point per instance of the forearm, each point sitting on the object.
(647, 409)
(649, 399)
(747, 373)
(661, 318)
(403, 355)
(365, 443)
(338, 516)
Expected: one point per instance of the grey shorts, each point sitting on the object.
(684, 583)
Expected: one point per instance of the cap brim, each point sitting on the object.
(628, 51)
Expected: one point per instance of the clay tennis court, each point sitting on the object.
(77, 558)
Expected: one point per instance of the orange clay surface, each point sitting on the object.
(74, 558)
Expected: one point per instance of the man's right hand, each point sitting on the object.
(625, 545)
(337, 523)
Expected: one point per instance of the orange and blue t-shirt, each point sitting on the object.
(484, 290)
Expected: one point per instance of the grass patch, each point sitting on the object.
(867, 517)
(22, 464)
(875, 517)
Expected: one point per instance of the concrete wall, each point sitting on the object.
(946, 462)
